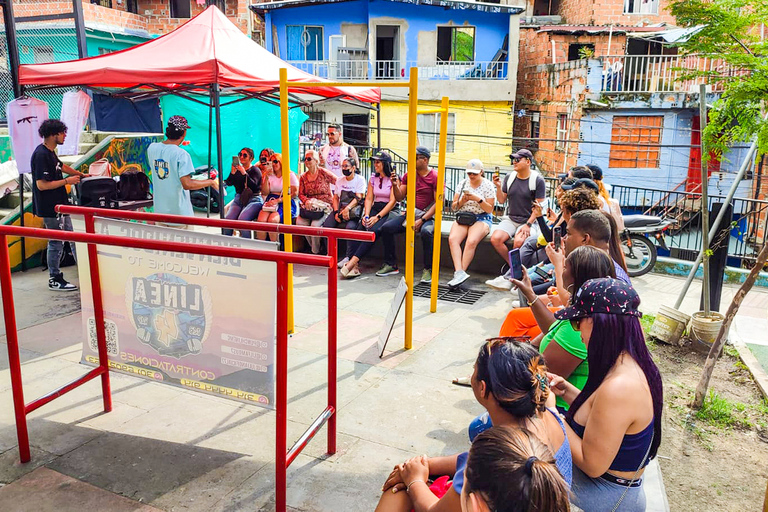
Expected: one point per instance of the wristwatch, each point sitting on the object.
(529, 224)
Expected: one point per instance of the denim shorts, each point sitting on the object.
(487, 218)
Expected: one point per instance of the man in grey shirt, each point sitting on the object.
(519, 222)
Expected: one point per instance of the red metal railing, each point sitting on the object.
(283, 259)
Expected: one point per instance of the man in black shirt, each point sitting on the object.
(48, 190)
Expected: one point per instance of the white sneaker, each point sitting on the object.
(500, 283)
(342, 262)
(458, 277)
(515, 304)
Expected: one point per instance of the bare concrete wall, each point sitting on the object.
(357, 34)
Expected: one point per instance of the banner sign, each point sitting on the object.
(196, 321)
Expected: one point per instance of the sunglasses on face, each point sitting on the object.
(515, 160)
(243, 155)
(308, 159)
(275, 161)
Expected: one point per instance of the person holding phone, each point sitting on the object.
(520, 190)
(379, 201)
(246, 178)
(473, 204)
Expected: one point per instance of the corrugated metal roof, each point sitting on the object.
(593, 29)
(449, 4)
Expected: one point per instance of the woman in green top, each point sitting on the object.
(568, 354)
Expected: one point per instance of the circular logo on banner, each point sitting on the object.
(169, 314)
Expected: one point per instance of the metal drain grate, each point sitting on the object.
(459, 295)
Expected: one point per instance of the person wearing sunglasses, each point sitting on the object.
(614, 423)
(316, 196)
(246, 178)
(272, 188)
(519, 190)
(510, 382)
(336, 151)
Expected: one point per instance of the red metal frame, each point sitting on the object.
(283, 259)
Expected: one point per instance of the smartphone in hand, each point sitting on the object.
(235, 161)
(557, 237)
(515, 264)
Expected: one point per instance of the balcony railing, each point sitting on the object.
(400, 69)
(657, 73)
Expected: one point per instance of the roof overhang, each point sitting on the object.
(594, 30)
(458, 5)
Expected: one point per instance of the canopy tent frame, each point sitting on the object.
(220, 72)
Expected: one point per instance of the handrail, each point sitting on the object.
(346, 234)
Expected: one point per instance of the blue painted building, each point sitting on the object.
(462, 49)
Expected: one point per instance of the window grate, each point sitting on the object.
(458, 295)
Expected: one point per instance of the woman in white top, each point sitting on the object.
(473, 204)
(272, 188)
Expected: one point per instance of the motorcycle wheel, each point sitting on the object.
(639, 254)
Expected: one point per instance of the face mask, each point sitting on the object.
(347, 172)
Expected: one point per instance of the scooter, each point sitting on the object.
(199, 197)
(639, 251)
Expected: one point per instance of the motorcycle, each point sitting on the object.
(639, 251)
(199, 197)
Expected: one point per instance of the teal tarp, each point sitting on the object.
(251, 123)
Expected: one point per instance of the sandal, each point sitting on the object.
(463, 381)
(344, 271)
(355, 272)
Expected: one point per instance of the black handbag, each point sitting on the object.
(304, 213)
(466, 218)
(344, 200)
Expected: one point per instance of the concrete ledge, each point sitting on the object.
(674, 267)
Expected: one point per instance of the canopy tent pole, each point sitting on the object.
(218, 146)
(287, 200)
(439, 203)
(210, 144)
(410, 213)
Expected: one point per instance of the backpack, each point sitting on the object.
(532, 179)
(133, 186)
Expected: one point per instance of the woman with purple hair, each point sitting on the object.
(614, 423)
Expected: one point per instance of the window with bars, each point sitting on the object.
(132, 6)
(635, 142)
(562, 130)
(535, 129)
(641, 6)
(428, 129)
(315, 123)
(103, 3)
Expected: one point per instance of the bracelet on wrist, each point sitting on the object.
(532, 302)
(408, 487)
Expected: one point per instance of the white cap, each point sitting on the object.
(474, 166)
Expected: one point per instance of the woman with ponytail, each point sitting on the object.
(510, 470)
(510, 381)
(615, 421)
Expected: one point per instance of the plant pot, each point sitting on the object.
(704, 328)
(669, 325)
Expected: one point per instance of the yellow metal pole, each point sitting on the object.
(439, 202)
(413, 105)
(286, 153)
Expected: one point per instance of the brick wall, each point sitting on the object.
(607, 12)
(153, 15)
(552, 90)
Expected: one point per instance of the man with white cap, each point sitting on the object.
(519, 190)
(473, 204)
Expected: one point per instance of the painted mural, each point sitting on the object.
(123, 153)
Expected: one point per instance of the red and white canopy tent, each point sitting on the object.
(208, 54)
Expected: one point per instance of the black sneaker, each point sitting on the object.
(59, 284)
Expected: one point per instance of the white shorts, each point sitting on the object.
(510, 227)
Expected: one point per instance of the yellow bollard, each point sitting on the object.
(286, 153)
(439, 201)
(413, 104)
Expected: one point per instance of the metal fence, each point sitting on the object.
(749, 222)
(38, 42)
(400, 69)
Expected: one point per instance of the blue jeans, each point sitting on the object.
(599, 495)
(56, 247)
(248, 212)
(393, 226)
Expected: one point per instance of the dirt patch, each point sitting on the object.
(717, 460)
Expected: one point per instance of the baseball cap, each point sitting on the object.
(522, 153)
(474, 166)
(597, 172)
(383, 156)
(423, 151)
(604, 295)
(581, 182)
(179, 122)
